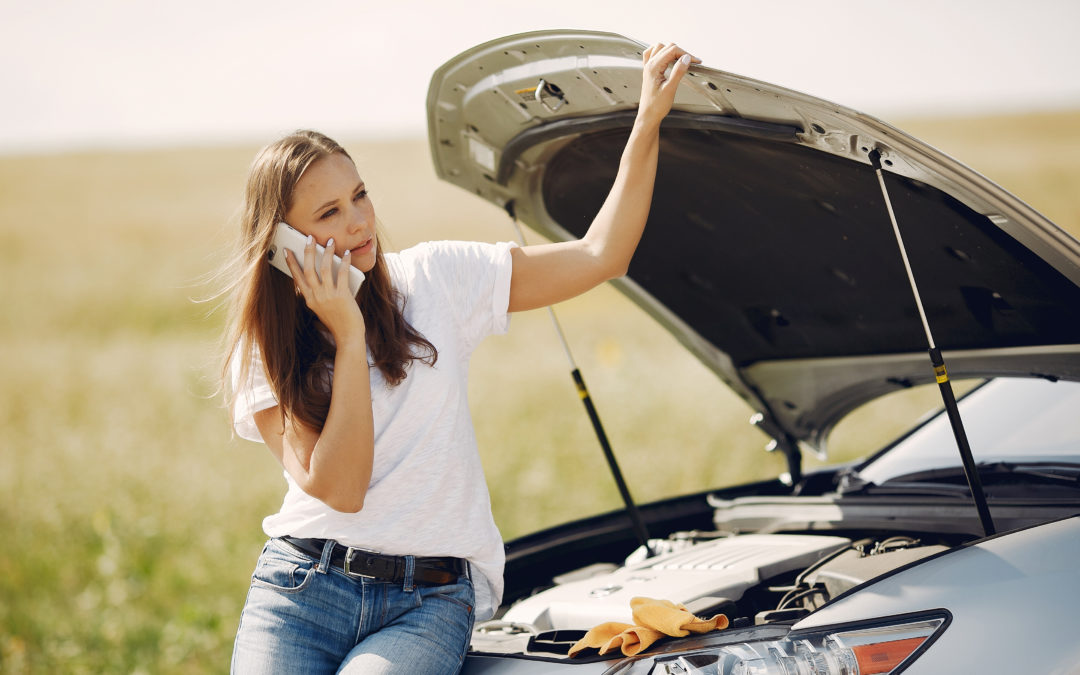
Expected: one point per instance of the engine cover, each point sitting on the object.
(718, 569)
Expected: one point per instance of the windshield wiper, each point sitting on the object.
(1060, 473)
(910, 488)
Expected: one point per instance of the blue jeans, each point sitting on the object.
(304, 616)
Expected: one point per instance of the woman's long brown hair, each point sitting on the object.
(269, 318)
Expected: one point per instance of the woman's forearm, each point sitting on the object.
(342, 458)
(335, 465)
(616, 230)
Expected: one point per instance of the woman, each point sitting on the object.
(384, 551)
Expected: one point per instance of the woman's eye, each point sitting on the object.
(327, 214)
(360, 195)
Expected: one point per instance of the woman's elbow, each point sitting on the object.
(611, 268)
(340, 498)
(348, 505)
(344, 503)
(618, 270)
(605, 266)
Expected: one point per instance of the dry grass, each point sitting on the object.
(133, 518)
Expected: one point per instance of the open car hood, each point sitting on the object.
(769, 251)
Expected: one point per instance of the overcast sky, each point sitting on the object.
(122, 73)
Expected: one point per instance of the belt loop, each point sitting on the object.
(410, 568)
(327, 551)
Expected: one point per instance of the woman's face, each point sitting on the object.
(331, 202)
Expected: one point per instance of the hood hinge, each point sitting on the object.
(783, 442)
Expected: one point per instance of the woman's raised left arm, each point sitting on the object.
(549, 273)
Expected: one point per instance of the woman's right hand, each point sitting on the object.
(658, 84)
(330, 298)
(333, 465)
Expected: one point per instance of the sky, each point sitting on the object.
(126, 73)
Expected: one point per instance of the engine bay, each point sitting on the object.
(754, 579)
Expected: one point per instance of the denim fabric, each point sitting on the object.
(303, 616)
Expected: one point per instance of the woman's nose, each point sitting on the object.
(359, 218)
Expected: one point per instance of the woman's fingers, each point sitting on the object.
(658, 82)
(682, 64)
(311, 274)
(318, 269)
(315, 278)
(669, 52)
(326, 265)
(343, 269)
(330, 298)
(335, 280)
(660, 57)
(297, 272)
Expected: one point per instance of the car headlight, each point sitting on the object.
(853, 649)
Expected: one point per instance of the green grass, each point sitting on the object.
(132, 519)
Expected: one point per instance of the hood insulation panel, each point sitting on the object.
(771, 250)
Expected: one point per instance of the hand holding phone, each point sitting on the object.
(287, 237)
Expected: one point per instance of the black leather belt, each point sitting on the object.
(359, 563)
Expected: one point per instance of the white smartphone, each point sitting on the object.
(286, 236)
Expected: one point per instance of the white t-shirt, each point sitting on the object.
(428, 495)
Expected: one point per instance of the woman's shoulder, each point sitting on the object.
(432, 256)
(443, 248)
(411, 267)
(406, 264)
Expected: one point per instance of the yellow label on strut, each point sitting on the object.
(942, 376)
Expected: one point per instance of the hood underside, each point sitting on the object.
(769, 251)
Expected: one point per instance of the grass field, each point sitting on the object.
(132, 519)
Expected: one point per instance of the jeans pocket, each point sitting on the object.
(448, 614)
(280, 572)
(460, 593)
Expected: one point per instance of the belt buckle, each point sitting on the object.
(348, 565)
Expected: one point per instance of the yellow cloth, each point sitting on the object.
(653, 619)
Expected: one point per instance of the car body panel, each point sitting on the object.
(479, 665)
(981, 586)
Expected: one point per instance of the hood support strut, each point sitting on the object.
(632, 510)
(940, 373)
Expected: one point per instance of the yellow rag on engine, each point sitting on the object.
(653, 619)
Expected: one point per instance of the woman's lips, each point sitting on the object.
(363, 248)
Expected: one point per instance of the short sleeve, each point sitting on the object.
(251, 397)
(474, 278)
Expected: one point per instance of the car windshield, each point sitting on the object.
(1006, 420)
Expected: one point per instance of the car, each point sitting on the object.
(815, 259)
